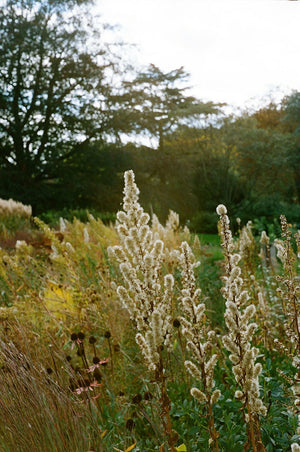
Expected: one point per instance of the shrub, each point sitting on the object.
(204, 222)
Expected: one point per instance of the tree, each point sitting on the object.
(96, 185)
(204, 175)
(291, 112)
(158, 103)
(216, 179)
(54, 92)
(263, 162)
(291, 120)
(269, 117)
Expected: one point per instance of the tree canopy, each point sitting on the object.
(53, 89)
(162, 99)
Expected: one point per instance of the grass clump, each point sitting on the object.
(40, 414)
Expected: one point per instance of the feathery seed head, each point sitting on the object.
(221, 210)
(199, 395)
(215, 396)
(264, 239)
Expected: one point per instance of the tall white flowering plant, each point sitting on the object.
(239, 316)
(146, 293)
(290, 295)
(200, 340)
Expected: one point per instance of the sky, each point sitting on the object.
(242, 52)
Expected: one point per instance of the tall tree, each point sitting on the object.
(291, 120)
(53, 91)
(156, 105)
(291, 112)
(263, 161)
(158, 102)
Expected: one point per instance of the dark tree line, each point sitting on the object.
(72, 112)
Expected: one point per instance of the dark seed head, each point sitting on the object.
(107, 334)
(176, 323)
(96, 360)
(121, 393)
(81, 336)
(49, 370)
(137, 399)
(129, 424)
(68, 358)
(148, 395)
(74, 337)
(92, 340)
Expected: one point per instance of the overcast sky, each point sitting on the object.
(235, 50)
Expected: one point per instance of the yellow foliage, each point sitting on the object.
(128, 448)
(59, 300)
(181, 448)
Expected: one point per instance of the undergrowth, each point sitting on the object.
(74, 375)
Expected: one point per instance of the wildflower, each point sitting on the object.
(264, 239)
(137, 399)
(62, 225)
(88, 386)
(74, 337)
(199, 340)
(86, 236)
(130, 424)
(290, 295)
(176, 323)
(199, 395)
(70, 248)
(221, 209)
(97, 362)
(238, 319)
(145, 295)
(148, 395)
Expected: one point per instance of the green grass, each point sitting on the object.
(209, 239)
